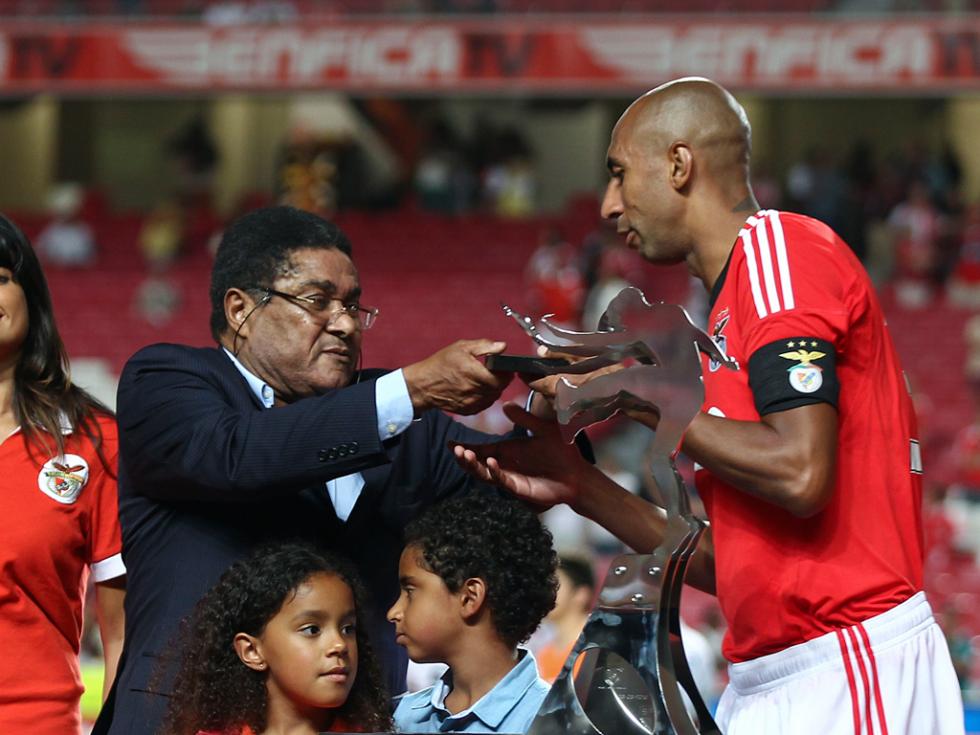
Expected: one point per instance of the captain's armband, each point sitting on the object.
(793, 372)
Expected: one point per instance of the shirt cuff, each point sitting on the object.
(108, 568)
(395, 412)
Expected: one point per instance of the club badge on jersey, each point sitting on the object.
(62, 478)
(805, 376)
(718, 335)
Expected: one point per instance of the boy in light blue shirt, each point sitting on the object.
(477, 577)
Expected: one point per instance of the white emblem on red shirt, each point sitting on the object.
(62, 478)
(717, 334)
(804, 377)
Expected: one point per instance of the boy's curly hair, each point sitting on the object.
(214, 690)
(500, 540)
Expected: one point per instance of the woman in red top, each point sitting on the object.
(58, 504)
(278, 646)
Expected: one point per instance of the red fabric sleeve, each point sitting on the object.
(804, 294)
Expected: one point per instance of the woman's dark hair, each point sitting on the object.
(44, 396)
(214, 690)
(255, 248)
(500, 540)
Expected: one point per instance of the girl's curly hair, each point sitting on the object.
(214, 690)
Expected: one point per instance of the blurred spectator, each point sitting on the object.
(615, 262)
(162, 236)
(956, 627)
(157, 299)
(443, 182)
(814, 187)
(67, 241)
(563, 625)
(553, 281)
(309, 172)
(593, 246)
(184, 219)
(966, 447)
(951, 523)
(916, 225)
(964, 288)
(509, 182)
(482, 146)
(942, 172)
(193, 157)
(860, 179)
(891, 184)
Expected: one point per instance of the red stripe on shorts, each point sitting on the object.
(879, 705)
(864, 679)
(850, 682)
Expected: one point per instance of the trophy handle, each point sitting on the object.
(670, 611)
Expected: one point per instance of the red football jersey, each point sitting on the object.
(61, 523)
(796, 310)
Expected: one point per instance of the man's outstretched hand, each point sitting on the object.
(455, 379)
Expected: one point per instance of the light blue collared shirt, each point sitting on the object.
(395, 414)
(509, 707)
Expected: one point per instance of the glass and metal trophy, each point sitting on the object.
(628, 674)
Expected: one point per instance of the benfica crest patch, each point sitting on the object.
(804, 376)
(62, 478)
(718, 335)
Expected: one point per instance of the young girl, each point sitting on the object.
(277, 646)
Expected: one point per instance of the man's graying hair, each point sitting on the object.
(255, 249)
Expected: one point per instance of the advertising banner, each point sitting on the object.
(499, 56)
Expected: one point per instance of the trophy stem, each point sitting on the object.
(671, 642)
(670, 609)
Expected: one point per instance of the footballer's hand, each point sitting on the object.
(542, 469)
(548, 385)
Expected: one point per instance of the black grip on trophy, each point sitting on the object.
(525, 364)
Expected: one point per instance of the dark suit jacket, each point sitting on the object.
(206, 473)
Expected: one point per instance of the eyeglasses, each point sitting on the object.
(320, 306)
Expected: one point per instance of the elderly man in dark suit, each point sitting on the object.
(276, 434)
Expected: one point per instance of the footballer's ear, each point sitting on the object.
(249, 650)
(472, 596)
(681, 164)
